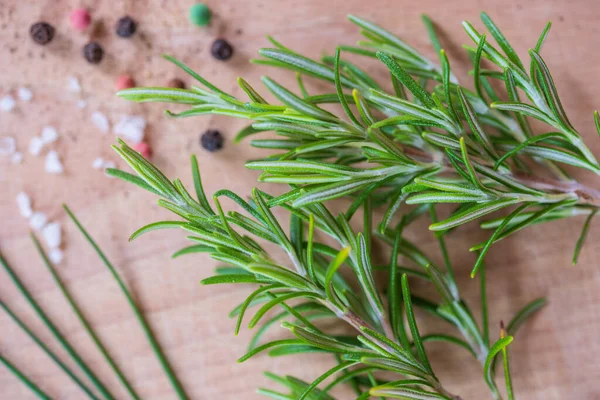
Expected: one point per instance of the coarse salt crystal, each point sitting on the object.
(73, 84)
(81, 104)
(38, 220)
(17, 158)
(7, 103)
(55, 256)
(98, 163)
(24, 94)
(35, 145)
(49, 134)
(24, 205)
(100, 121)
(109, 164)
(53, 164)
(7, 146)
(52, 234)
(131, 128)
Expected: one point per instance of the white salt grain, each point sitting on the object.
(131, 128)
(24, 204)
(52, 234)
(81, 104)
(17, 158)
(109, 164)
(73, 84)
(49, 134)
(7, 146)
(38, 220)
(24, 94)
(56, 256)
(7, 103)
(100, 121)
(98, 163)
(53, 164)
(35, 145)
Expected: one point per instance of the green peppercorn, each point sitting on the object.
(200, 14)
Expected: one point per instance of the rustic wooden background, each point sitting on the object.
(555, 356)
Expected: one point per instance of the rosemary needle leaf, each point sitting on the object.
(494, 350)
(413, 324)
(524, 314)
(412, 85)
(582, 236)
(339, 89)
(155, 226)
(406, 393)
(499, 37)
(316, 382)
(141, 319)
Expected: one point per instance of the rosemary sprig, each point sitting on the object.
(446, 146)
(432, 141)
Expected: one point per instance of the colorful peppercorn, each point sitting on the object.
(200, 14)
(221, 50)
(93, 52)
(124, 82)
(80, 19)
(42, 33)
(144, 149)
(211, 140)
(176, 83)
(126, 27)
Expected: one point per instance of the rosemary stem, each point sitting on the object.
(585, 194)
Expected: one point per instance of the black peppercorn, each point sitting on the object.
(211, 140)
(93, 52)
(42, 32)
(221, 50)
(126, 27)
(176, 83)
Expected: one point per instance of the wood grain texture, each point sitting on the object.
(554, 356)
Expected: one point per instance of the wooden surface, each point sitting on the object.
(555, 355)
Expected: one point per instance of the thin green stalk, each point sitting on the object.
(26, 381)
(83, 321)
(442, 244)
(62, 340)
(485, 323)
(140, 317)
(48, 352)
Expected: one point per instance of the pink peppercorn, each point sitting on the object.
(80, 19)
(125, 82)
(144, 149)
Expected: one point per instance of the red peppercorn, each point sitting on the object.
(80, 19)
(124, 82)
(144, 149)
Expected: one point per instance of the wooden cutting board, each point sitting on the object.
(554, 356)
